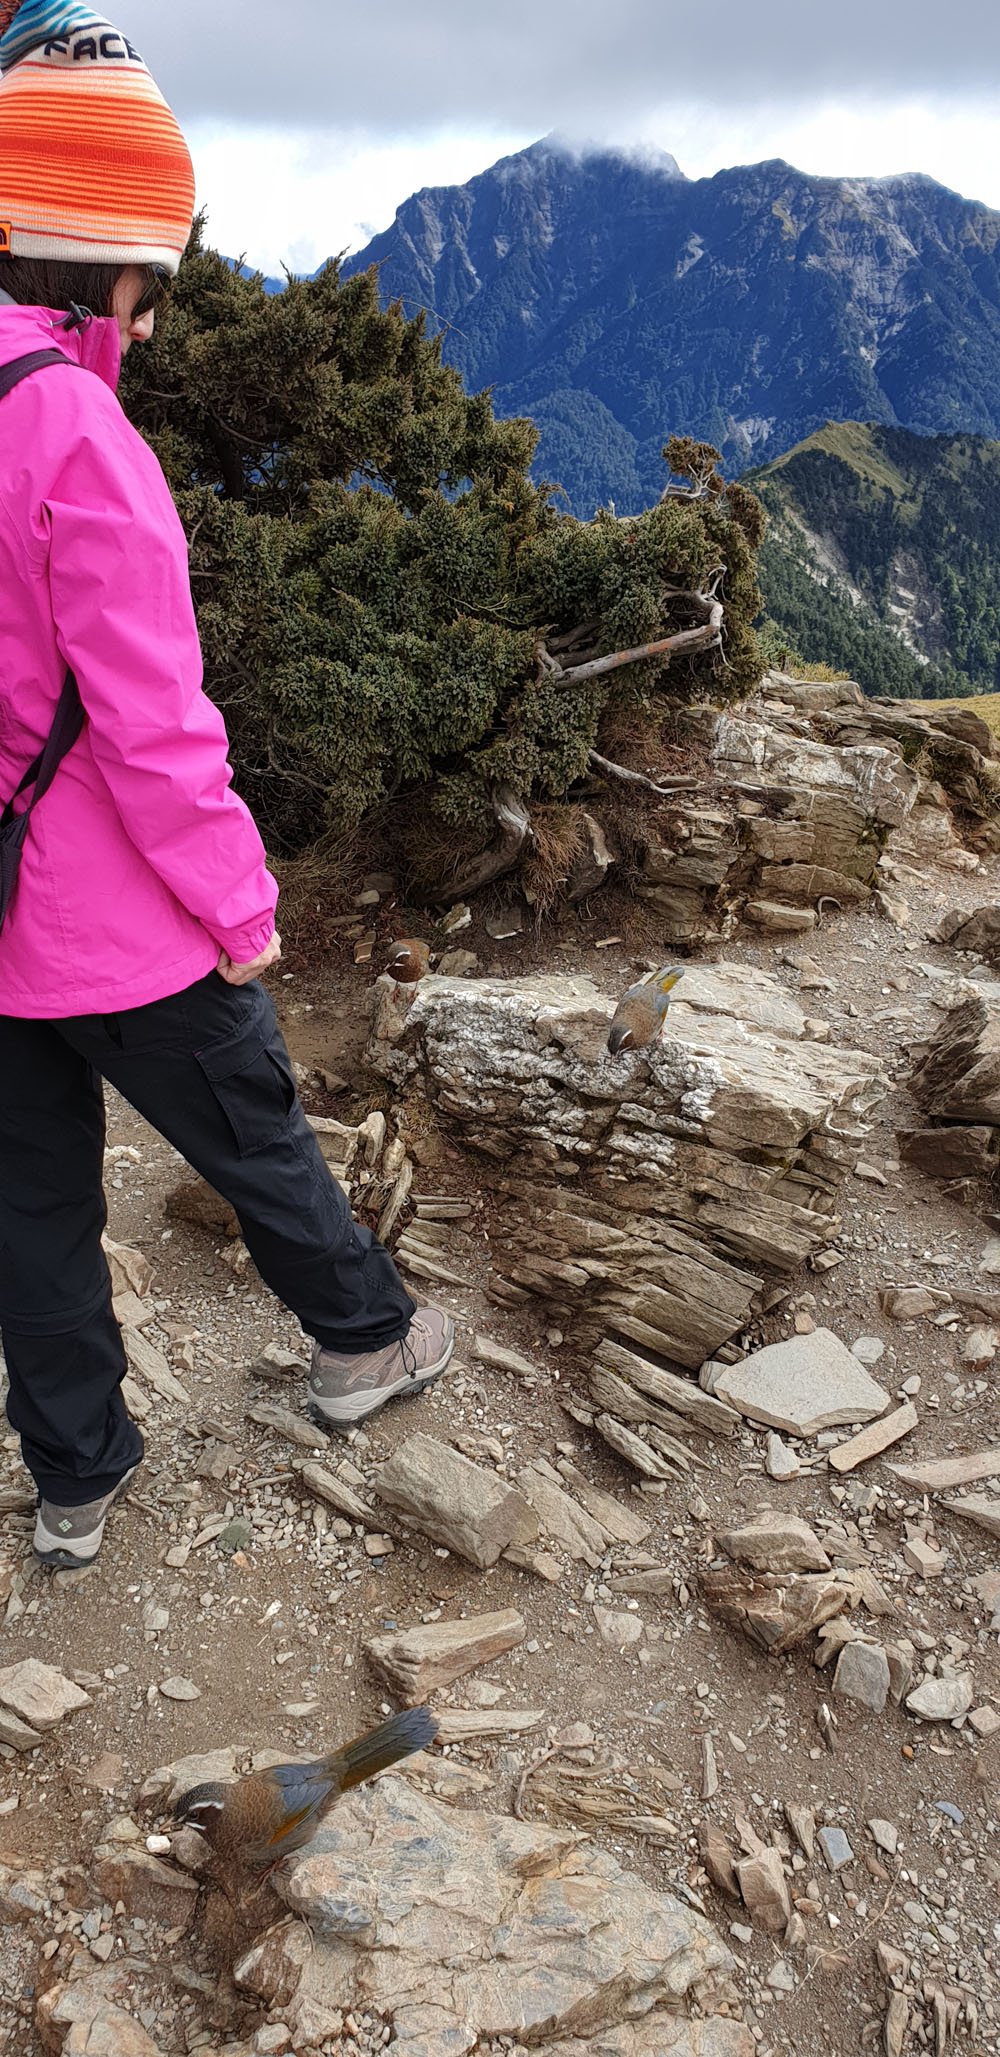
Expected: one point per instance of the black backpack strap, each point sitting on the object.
(66, 728)
(21, 368)
(69, 716)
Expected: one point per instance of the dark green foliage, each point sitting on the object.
(909, 522)
(375, 571)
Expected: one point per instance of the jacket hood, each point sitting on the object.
(97, 346)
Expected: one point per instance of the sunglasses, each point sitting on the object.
(155, 293)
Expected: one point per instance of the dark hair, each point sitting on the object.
(59, 283)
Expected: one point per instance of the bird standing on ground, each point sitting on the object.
(409, 960)
(255, 1822)
(641, 1012)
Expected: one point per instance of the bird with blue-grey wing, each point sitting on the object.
(252, 1824)
(641, 1012)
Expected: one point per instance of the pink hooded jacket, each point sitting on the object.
(141, 863)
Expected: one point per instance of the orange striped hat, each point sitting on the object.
(93, 165)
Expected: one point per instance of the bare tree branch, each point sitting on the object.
(707, 634)
(635, 778)
(701, 489)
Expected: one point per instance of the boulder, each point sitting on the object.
(862, 1674)
(807, 816)
(958, 1080)
(776, 1611)
(811, 696)
(460, 1505)
(942, 1699)
(765, 1893)
(38, 1694)
(640, 1194)
(550, 1942)
(81, 2019)
(417, 1662)
(954, 1151)
(978, 931)
(812, 782)
(978, 1508)
(967, 726)
(778, 919)
(775, 1542)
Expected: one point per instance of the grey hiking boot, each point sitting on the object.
(344, 1391)
(69, 1537)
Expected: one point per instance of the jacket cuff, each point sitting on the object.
(243, 945)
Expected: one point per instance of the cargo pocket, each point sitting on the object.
(251, 1078)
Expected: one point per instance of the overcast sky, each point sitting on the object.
(311, 120)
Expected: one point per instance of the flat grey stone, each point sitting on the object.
(868, 1350)
(862, 1674)
(835, 1847)
(773, 1541)
(803, 1386)
(942, 1699)
(38, 1694)
(886, 1835)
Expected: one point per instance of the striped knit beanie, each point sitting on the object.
(93, 165)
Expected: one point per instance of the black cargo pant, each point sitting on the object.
(209, 1069)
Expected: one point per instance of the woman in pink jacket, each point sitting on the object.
(143, 910)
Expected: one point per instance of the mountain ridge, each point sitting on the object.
(882, 555)
(618, 303)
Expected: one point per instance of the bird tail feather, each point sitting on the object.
(397, 1738)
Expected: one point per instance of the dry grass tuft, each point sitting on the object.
(558, 836)
(986, 705)
(430, 852)
(816, 674)
(317, 888)
(631, 729)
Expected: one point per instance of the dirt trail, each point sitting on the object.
(272, 1638)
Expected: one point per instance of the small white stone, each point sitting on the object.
(780, 1462)
(868, 1350)
(180, 1689)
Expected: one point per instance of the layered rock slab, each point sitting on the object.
(958, 1080)
(641, 1193)
(796, 816)
(549, 1941)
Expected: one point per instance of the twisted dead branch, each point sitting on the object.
(706, 635)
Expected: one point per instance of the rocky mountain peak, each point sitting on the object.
(617, 302)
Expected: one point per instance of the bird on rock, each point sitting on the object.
(252, 1824)
(409, 960)
(641, 1012)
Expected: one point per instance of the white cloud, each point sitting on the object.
(294, 198)
(957, 145)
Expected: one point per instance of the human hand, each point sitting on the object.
(241, 974)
